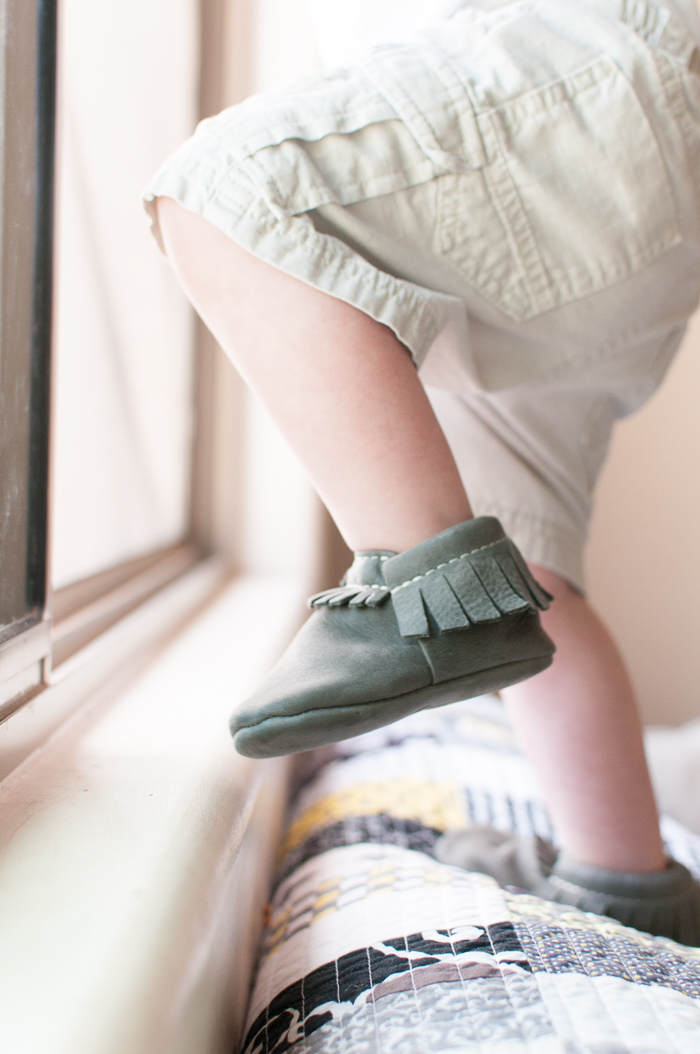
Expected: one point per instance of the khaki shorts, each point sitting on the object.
(516, 196)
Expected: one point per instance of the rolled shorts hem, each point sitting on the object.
(416, 315)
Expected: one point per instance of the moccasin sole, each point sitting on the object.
(275, 736)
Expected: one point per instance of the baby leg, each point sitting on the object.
(578, 723)
(340, 386)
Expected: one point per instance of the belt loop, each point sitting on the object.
(657, 26)
(645, 19)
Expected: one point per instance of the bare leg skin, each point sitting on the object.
(346, 395)
(340, 386)
(578, 724)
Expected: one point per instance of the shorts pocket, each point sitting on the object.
(575, 197)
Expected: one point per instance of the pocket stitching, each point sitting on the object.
(542, 291)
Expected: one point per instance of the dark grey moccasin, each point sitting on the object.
(454, 617)
(663, 903)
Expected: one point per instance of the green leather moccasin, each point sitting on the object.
(454, 617)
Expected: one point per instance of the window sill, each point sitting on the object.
(136, 848)
(106, 664)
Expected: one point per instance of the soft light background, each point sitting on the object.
(643, 555)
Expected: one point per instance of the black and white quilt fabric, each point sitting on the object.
(373, 947)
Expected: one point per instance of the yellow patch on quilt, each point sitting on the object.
(436, 805)
(343, 891)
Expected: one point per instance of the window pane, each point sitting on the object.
(127, 96)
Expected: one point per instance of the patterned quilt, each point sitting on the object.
(371, 946)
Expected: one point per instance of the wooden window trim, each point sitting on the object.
(46, 646)
(87, 608)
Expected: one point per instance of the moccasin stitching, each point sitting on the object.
(454, 560)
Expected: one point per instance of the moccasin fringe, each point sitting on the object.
(480, 586)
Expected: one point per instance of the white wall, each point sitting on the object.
(644, 551)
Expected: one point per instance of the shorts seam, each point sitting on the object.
(508, 203)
